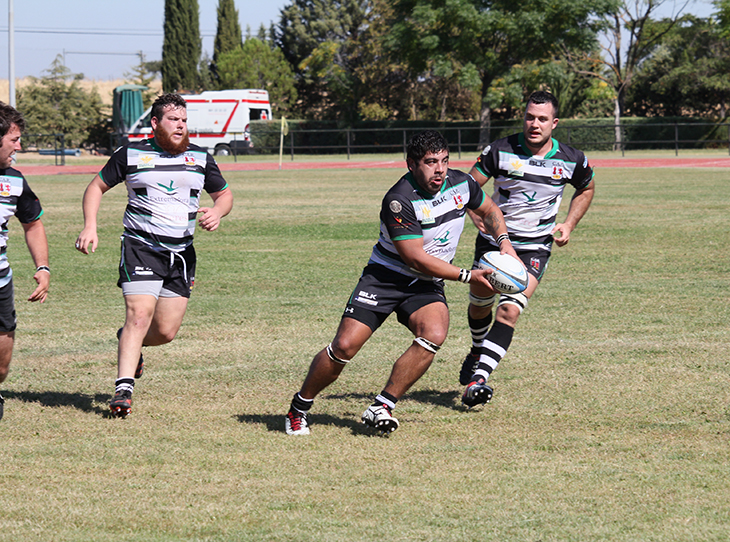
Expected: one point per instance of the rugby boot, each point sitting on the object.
(468, 366)
(296, 423)
(121, 404)
(477, 393)
(380, 418)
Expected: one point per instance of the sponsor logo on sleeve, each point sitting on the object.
(399, 223)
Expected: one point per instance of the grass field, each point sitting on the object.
(610, 420)
(33, 158)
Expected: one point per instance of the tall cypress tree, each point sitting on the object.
(181, 47)
(228, 35)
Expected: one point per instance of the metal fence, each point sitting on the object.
(466, 139)
(48, 144)
(303, 139)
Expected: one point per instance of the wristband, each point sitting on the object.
(503, 237)
(464, 276)
(43, 268)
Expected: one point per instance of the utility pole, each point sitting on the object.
(11, 54)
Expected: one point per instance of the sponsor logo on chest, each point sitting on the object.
(146, 161)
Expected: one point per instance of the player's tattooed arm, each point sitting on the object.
(493, 223)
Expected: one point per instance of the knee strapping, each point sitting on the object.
(334, 358)
(427, 345)
(519, 300)
(481, 301)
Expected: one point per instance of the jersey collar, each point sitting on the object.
(528, 152)
(155, 146)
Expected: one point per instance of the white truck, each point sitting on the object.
(218, 120)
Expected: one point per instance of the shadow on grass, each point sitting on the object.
(97, 403)
(275, 423)
(432, 397)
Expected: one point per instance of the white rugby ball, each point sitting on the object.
(509, 276)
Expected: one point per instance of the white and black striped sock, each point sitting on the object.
(124, 384)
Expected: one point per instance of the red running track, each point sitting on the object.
(29, 170)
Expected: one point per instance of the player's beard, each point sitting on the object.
(163, 139)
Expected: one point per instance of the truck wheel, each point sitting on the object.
(222, 150)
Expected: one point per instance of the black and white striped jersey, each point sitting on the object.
(528, 188)
(163, 190)
(16, 198)
(408, 212)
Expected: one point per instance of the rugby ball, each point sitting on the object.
(508, 275)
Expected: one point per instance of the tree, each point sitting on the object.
(723, 17)
(228, 34)
(256, 65)
(687, 74)
(144, 74)
(317, 39)
(385, 90)
(631, 19)
(56, 103)
(578, 95)
(488, 38)
(181, 47)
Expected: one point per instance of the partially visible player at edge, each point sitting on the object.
(421, 220)
(165, 177)
(16, 198)
(530, 171)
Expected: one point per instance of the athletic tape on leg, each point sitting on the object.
(334, 358)
(519, 300)
(481, 301)
(428, 345)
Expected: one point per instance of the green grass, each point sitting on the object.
(610, 420)
(35, 159)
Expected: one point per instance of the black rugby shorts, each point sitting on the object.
(8, 319)
(141, 262)
(381, 292)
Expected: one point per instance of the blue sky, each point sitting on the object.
(100, 38)
(84, 29)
